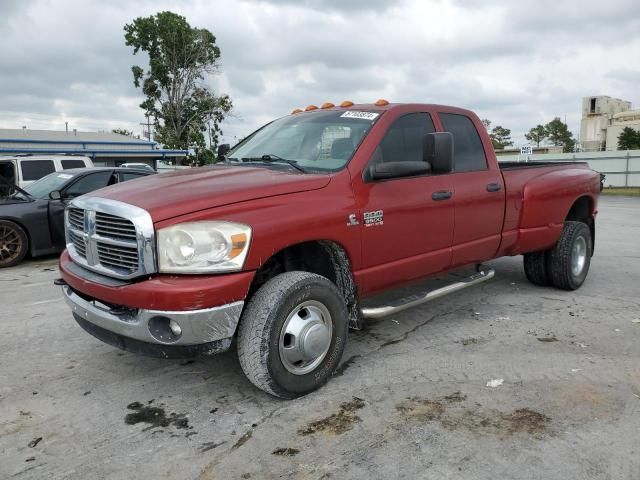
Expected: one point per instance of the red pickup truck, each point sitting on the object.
(308, 217)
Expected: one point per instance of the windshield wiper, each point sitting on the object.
(270, 158)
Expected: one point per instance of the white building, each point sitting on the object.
(603, 118)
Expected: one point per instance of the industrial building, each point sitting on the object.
(603, 119)
(104, 148)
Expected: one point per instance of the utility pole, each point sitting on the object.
(147, 133)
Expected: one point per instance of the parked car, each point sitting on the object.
(312, 217)
(141, 166)
(24, 170)
(32, 219)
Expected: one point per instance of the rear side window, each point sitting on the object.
(89, 183)
(468, 153)
(66, 164)
(403, 140)
(36, 169)
(130, 176)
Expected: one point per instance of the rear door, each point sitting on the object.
(406, 229)
(479, 194)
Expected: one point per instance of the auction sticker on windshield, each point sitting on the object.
(361, 115)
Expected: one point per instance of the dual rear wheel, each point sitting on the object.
(566, 265)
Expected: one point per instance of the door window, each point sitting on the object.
(403, 141)
(36, 169)
(468, 152)
(89, 183)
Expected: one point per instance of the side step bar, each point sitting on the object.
(379, 312)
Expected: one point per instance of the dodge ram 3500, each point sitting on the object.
(308, 218)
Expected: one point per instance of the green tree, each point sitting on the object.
(487, 123)
(122, 131)
(500, 137)
(537, 134)
(181, 58)
(559, 135)
(629, 139)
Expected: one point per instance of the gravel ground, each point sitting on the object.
(410, 401)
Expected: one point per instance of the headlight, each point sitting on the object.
(203, 247)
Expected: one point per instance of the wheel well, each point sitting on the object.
(324, 258)
(582, 211)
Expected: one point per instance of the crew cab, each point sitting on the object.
(284, 246)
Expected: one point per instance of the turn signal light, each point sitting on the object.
(382, 102)
(346, 103)
(327, 105)
(311, 107)
(295, 110)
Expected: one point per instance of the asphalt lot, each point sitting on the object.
(410, 400)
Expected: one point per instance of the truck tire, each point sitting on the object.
(569, 260)
(14, 244)
(292, 334)
(535, 268)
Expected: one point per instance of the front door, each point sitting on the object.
(407, 223)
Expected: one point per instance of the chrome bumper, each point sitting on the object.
(196, 327)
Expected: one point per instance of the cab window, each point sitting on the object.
(468, 152)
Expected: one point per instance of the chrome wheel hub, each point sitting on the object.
(578, 256)
(305, 337)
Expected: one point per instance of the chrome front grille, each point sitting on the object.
(76, 218)
(78, 243)
(116, 227)
(110, 237)
(118, 257)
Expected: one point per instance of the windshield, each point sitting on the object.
(314, 141)
(46, 185)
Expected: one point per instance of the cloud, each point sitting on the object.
(516, 63)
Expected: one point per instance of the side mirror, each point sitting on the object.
(55, 195)
(223, 150)
(381, 171)
(437, 149)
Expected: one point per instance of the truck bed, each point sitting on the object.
(533, 164)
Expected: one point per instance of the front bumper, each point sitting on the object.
(191, 327)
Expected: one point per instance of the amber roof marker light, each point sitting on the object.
(296, 110)
(382, 102)
(327, 105)
(310, 107)
(346, 103)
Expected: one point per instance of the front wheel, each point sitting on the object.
(13, 244)
(569, 260)
(292, 334)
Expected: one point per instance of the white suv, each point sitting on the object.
(24, 170)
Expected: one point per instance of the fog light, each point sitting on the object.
(175, 328)
(164, 330)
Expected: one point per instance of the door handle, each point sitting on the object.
(494, 187)
(442, 195)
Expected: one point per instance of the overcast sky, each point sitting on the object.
(516, 63)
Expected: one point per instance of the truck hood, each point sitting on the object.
(186, 191)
